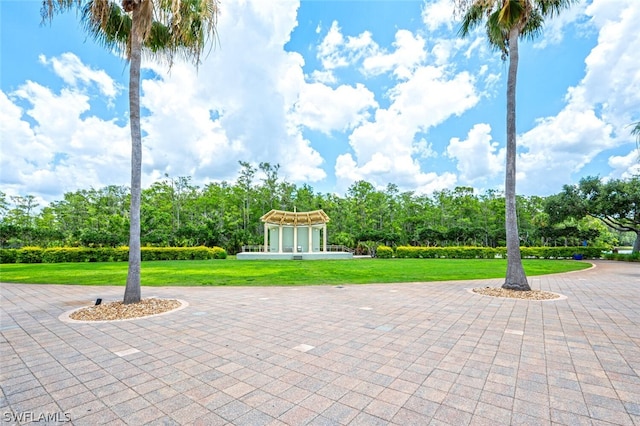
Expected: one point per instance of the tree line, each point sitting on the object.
(175, 212)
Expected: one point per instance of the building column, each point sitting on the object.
(266, 237)
(279, 238)
(310, 238)
(295, 238)
(324, 237)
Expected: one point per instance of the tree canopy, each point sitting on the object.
(175, 212)
(615, 202)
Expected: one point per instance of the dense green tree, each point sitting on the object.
(615, 202)
(160, 27)
(177, 213)
(506, 21)
(4, 205)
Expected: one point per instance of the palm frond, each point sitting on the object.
(472, 19)
(107, 23)
(501, 16)
(498, 34)
(534, 25)
(52, 7)
(636, 130)
(168, 28)
(550, 8)
(512, 13)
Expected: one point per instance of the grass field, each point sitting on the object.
(274, 273)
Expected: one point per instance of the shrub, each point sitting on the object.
(631, 257)
(8, 255)
(182, 253)
(384, 252)
(65, 254)
(448, 252)
(491, 253)
(218, 253)
(29, 255)
(562, 252)
(106, 254)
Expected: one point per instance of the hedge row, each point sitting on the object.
(106, 254)
(631, 257)
(491, 253)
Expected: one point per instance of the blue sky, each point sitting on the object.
(333, 91)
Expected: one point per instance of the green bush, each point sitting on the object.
(8, 255)
(120, 254)
(384, 252)
(562, 252)
(65, 254)
(106, 254)
(218, 253)
(490, 253)
(410, 252)
(631, 257)
(29, 255)
(181, 253)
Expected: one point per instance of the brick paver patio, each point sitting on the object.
(405, 354)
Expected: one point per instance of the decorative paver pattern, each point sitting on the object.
(405, 354)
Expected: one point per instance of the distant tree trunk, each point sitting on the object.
(636, 244)
(516, 278)
(132, 292)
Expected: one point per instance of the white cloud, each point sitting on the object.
(408, 54)
(559, 147)
(478, 156)
(431, 96)
(325, 109)
(625, 166)
(384, 148)
(401, 170)
(424, 149)
(438, 13)
(251, 100)
(195, 122)
(337, 52)
(555, 27)
(56, 148)
(330, 50)
(72, 71)
(596, 115)
(444, 48)
(239, 105)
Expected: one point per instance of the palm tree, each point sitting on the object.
(636, 131)
(506, 21)
(162, 28)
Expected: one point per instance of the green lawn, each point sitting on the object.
(268, 272)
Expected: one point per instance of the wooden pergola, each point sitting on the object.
(280, 219)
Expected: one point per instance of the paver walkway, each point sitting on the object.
(405, 354)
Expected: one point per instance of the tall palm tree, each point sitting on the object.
(162, 28)
(506, 21)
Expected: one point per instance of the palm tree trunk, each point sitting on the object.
(132, 290)
(516, 278)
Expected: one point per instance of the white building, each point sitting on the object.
(294, 235)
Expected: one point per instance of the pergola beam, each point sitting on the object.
(281, 217)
